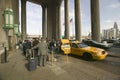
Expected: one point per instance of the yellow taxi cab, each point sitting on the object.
(65, 46)
(88, 52)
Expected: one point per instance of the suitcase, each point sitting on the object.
(32, 62)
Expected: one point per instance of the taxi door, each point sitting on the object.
(75, 49)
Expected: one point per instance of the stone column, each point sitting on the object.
(59, 22)
(58, 19)
(10, 33)
(95, 20)
(77, 20)
(44, 22)
(23, 19)
(8, 3)
(15, 5)
(67, 27)
(51, 20)
(3, 35)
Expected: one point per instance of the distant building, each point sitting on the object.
(112, 33)
(33, 36)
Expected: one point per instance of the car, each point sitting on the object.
(111, 40)
(88, 52)
(97, 44)
(65, 46)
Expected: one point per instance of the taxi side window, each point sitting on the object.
(74, 45)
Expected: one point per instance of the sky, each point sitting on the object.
(109, 13)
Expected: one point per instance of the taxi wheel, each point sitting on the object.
(87, 56)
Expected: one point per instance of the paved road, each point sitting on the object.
(74, 69)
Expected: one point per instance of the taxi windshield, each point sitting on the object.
(82, 45)
(66, 45)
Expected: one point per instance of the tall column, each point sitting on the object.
(95, 20)
(67, 27)
(4, 37)
(15, 5)
(51, 20)
(23, 19)
(8, 3)
(10, 32)
(77, 20)
(44, 22)
(58, 23)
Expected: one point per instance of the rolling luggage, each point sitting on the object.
(32, 62)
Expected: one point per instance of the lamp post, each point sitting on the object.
(8, 16)
(8, 19)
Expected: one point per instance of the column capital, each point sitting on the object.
(44, 5)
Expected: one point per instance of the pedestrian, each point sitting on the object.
(28, 47)
(35, 42)
(58, 46)
(20, 44)
(53, 45)
(42, 52)
(24, 47)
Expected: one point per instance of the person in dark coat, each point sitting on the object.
(28, 47)
(42, 52)
(52, 45)
(24, 47)
(35, 42)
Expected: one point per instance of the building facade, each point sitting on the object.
(112, 33)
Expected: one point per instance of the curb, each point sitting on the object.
(114, 56)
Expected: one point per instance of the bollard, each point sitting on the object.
(52, 58)
(4, 56)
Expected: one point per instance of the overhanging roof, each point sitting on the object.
(45, 2)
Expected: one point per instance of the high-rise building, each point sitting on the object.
(112, 33)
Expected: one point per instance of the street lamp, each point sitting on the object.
(8, 24)
(8, 16)
(8, 19)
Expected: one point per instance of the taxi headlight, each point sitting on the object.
(103, 52)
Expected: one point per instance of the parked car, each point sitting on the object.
(111, 40)
(87, 52)
(97, 44)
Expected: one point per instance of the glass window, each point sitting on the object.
(74, 45)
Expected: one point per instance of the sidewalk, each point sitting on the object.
(74, 69)
(16, 69)
(114, 52)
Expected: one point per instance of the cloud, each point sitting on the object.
(116, 5)
(111, 21)
(34, 18)
(108, 21)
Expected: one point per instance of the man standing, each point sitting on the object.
(35, 42)
(42, 52)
